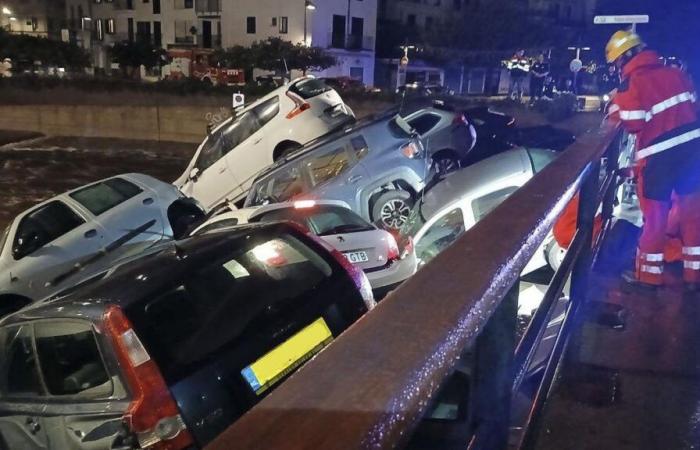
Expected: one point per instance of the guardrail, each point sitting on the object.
(371, 388)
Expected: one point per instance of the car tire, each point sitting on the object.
(392, 209)
(286, 149)
(446, 162)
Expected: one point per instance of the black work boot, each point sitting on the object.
(631, 284)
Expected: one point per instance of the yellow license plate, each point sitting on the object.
(287, 357)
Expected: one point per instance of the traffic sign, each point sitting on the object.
(576, 65)
(612, 20)
(238, 100)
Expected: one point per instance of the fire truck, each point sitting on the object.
(197, 63)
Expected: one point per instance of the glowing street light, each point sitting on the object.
(6, 11)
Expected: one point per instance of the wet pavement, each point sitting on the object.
(635, 386)
(39, 169)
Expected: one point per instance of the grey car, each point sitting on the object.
(446, 133)
(377, 166)
(44, 248)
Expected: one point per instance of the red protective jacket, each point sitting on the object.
(656, 103)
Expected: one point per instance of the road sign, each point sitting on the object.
(612, 20)
(238, 100)
(576, 65)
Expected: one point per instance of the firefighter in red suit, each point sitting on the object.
(658, 105)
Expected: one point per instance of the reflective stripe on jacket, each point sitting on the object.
(656, 103)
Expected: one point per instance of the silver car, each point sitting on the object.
(446, 133)
(45, 248)
(378, 167)
(373, 250)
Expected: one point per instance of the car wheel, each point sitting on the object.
(286, 149)
(445, 163)
(392, 209)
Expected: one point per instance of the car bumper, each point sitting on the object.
(393, 275)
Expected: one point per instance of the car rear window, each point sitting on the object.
(322, 220)
(258, 282)
(540, 158)
(280, 186)
(309, 88)
(103, 196)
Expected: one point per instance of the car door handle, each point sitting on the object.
(147, 201)
(33, 425)
(222, 170)
(257, 141)
(90, 234)
(354, 178)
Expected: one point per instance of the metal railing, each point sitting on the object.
(208, 7)
(350, 42)
(372, 387)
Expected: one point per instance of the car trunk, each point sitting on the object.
(365, 249)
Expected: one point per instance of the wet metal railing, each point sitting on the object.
(373, 385)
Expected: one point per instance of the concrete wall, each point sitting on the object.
(164, 123)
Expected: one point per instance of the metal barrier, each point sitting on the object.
(371, 388)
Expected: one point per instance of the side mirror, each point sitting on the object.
(26, 243)
(194, 173)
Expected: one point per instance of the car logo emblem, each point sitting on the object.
(341, 239)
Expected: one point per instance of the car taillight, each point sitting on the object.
(411, 149)
(393, 252)
(460, 119)
(153, 415)
(358, 276)
(299, 105)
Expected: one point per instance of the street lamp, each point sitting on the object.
(308, 6)
(6, 11)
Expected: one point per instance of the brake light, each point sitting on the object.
(358, 276)
(303, 204)
(300, 106)
(153, 414)
(460, 119)
(411, 150)
(393, 252)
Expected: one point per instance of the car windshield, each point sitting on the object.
(3, 238)
(322, 220)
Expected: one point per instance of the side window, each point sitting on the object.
(70, 360)
(424, 123)
(244, 126)
(485, 204)
(18, 369)
(267, 111)
(326, 166)
(359, 146)
(104, 196)
(540, 158)
(440, 235)
(43, 225)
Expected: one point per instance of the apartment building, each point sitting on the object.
(567, 12)
(346, 29)
(96, 24)
(42, 18)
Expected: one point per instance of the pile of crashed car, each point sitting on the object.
(142, 314)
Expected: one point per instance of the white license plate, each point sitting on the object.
(357, 257)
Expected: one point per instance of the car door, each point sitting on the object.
(335, 173)
(210, 180)
(130, 215)
(21, 392)
(85, 404)
(252, 143)
(60, 237)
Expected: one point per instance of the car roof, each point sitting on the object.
(330, 137)
(140, 277)
(464, 182)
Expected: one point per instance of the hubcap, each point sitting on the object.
(395, 213)
(445, 165)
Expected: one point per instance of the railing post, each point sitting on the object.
(493, 376)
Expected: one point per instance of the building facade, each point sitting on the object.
(95, 25)
(41, 18)
(346, 29)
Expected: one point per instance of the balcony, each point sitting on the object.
(351, 42)
(208, 8)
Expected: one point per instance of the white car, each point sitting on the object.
(464, 197)
(46, 248)
(375, 251)
(228, 160)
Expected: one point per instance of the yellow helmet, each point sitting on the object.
(620, 42)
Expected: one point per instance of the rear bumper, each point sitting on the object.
(393, 275)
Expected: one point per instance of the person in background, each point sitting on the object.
(610, 79)
(519, 67)
(540, 71)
